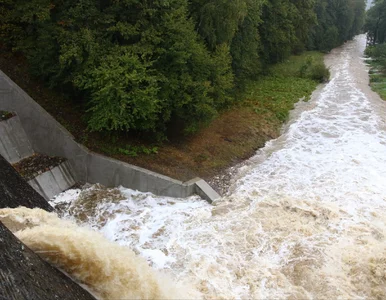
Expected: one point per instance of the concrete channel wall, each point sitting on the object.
(15, 146)
(54, 181)
(49, 137)
(14, 143)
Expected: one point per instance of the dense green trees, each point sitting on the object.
(375, 25)
(338, 21)
(155, 64)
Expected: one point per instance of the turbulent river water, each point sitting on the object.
(305, 218)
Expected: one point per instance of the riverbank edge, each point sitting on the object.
(377, 78)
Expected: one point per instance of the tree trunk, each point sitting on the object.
(23, 274)
(14, 191)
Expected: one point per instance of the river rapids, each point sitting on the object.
(305, 218)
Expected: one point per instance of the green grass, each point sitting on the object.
(378, 78)
(290, 67)
(277, 93)
(380, 88)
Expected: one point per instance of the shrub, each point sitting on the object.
(319, 72)
(123, 94)
(378, 53)
(314, 70)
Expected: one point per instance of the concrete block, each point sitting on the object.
(14, 143)
(111, 172)
(190, 186)
(54, 181)
(205, 191)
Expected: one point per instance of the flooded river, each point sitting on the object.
(305, 218)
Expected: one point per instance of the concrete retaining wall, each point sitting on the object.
(14, 143)
(49, 137)
(15, 146)
(54, 181)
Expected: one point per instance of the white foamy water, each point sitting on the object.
(304, 219)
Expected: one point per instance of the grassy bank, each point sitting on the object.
(378, 78)
(234, 136)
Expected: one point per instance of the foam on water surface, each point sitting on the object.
(108, 270)
(304, 219)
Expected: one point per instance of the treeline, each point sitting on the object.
(375, 27)
(148, 66)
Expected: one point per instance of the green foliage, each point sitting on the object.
(187, 72)
(123, 93)
(319, 72)
(315, 70)
(276, 94)
(246, 44)
(277, 31)
(285, 28)
(375, 24)
(337, 22)
(378, 68)
(19, 19)
(378, 83)
(222, 77)
(218, 20)
(134, 151)
(151, 66)
(377, 51)
(378, 54)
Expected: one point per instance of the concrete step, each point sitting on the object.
(49, 176)
(54, 181)
(14, 143)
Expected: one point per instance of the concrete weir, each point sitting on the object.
(47, 136)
